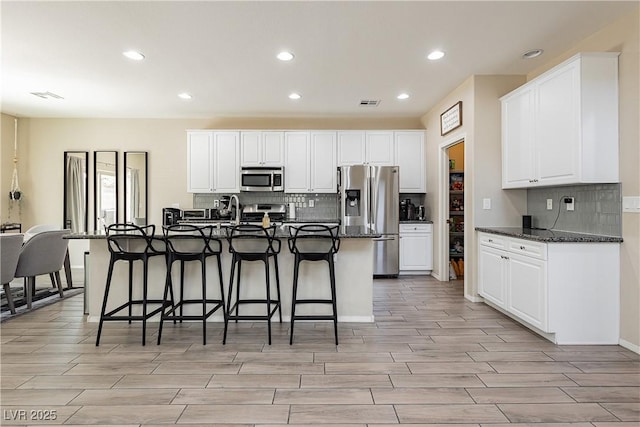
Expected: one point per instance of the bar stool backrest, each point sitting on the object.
(187, 239)
(253, 239)
(314, 239)
(131, 239)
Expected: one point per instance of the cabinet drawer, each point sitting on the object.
(527, 247)
(416, 228)
(492, 240)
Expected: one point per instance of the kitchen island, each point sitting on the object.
(354, 277)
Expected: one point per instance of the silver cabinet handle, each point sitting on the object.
(522, 248)
(382, 239)
(490, 240)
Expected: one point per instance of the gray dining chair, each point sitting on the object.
(43, 253)
(10, 245)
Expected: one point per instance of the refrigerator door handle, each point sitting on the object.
(382, 239)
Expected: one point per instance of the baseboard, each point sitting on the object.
(437, 277)
(630, 346)
(473, 298)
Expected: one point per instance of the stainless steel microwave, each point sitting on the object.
(262, 179)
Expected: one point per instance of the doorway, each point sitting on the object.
(456, 212)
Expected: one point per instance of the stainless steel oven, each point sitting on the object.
(262, 179)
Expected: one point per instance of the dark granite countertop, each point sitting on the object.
(348, 232)
(550, 236)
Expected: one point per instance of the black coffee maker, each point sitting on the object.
(407, 210)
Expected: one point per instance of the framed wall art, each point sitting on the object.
(451, 119)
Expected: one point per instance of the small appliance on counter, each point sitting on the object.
(421, 213)
(408, 211)
(255, 212)
(171, 216)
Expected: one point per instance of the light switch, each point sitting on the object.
(631, 204)
(486, 204)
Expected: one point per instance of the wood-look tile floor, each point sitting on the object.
(430, 358)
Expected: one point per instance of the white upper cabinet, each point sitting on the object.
(410, 157)
(226, 161)
(324, 167)
(213, 162)
(562, 127)
(365, 148)
(199, 165)
(262, 148)
(351, 148)
(310, 162)
(296, 168)
(379, 148)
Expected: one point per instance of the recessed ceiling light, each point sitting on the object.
(532, 53)
(294, 96)
(132, 54)
(435, 55)
(285, 56)
(403, 96)
(184, 95)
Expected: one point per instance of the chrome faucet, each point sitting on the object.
(234, 197)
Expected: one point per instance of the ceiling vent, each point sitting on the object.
(369, 102)
(47, 95)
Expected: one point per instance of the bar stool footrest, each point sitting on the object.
(169, 316)
(110, 315)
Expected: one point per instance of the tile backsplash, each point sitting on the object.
(325, 205)
(598, 208)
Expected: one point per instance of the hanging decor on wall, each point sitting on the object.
(15, 194)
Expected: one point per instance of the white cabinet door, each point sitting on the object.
(262, 148)
(416, 248)
(351, 148)
(251, 148)
(409, 155)
(296, 168)
(492, 275)
(379, 148)
(558, 126)
(322, 161)
(272, 148)
(226, 162)
(527, 297)
(517, 140)
(199, 167)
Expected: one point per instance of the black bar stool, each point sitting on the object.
(129, 242)
(191, 243)
(253, 243)
(314, 242)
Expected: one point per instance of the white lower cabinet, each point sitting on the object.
(568, 292)
(416, 248)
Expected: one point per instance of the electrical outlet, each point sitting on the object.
(569, 201)
(549, 204)
(216, 203)
(312, 203)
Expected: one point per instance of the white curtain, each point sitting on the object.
(75, 194)
(134, 196)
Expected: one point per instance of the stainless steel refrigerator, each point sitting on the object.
(369, 197)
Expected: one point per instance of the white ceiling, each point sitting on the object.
(223, 53)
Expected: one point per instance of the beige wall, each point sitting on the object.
(481, 133)
(42, 143)
(623, 36)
